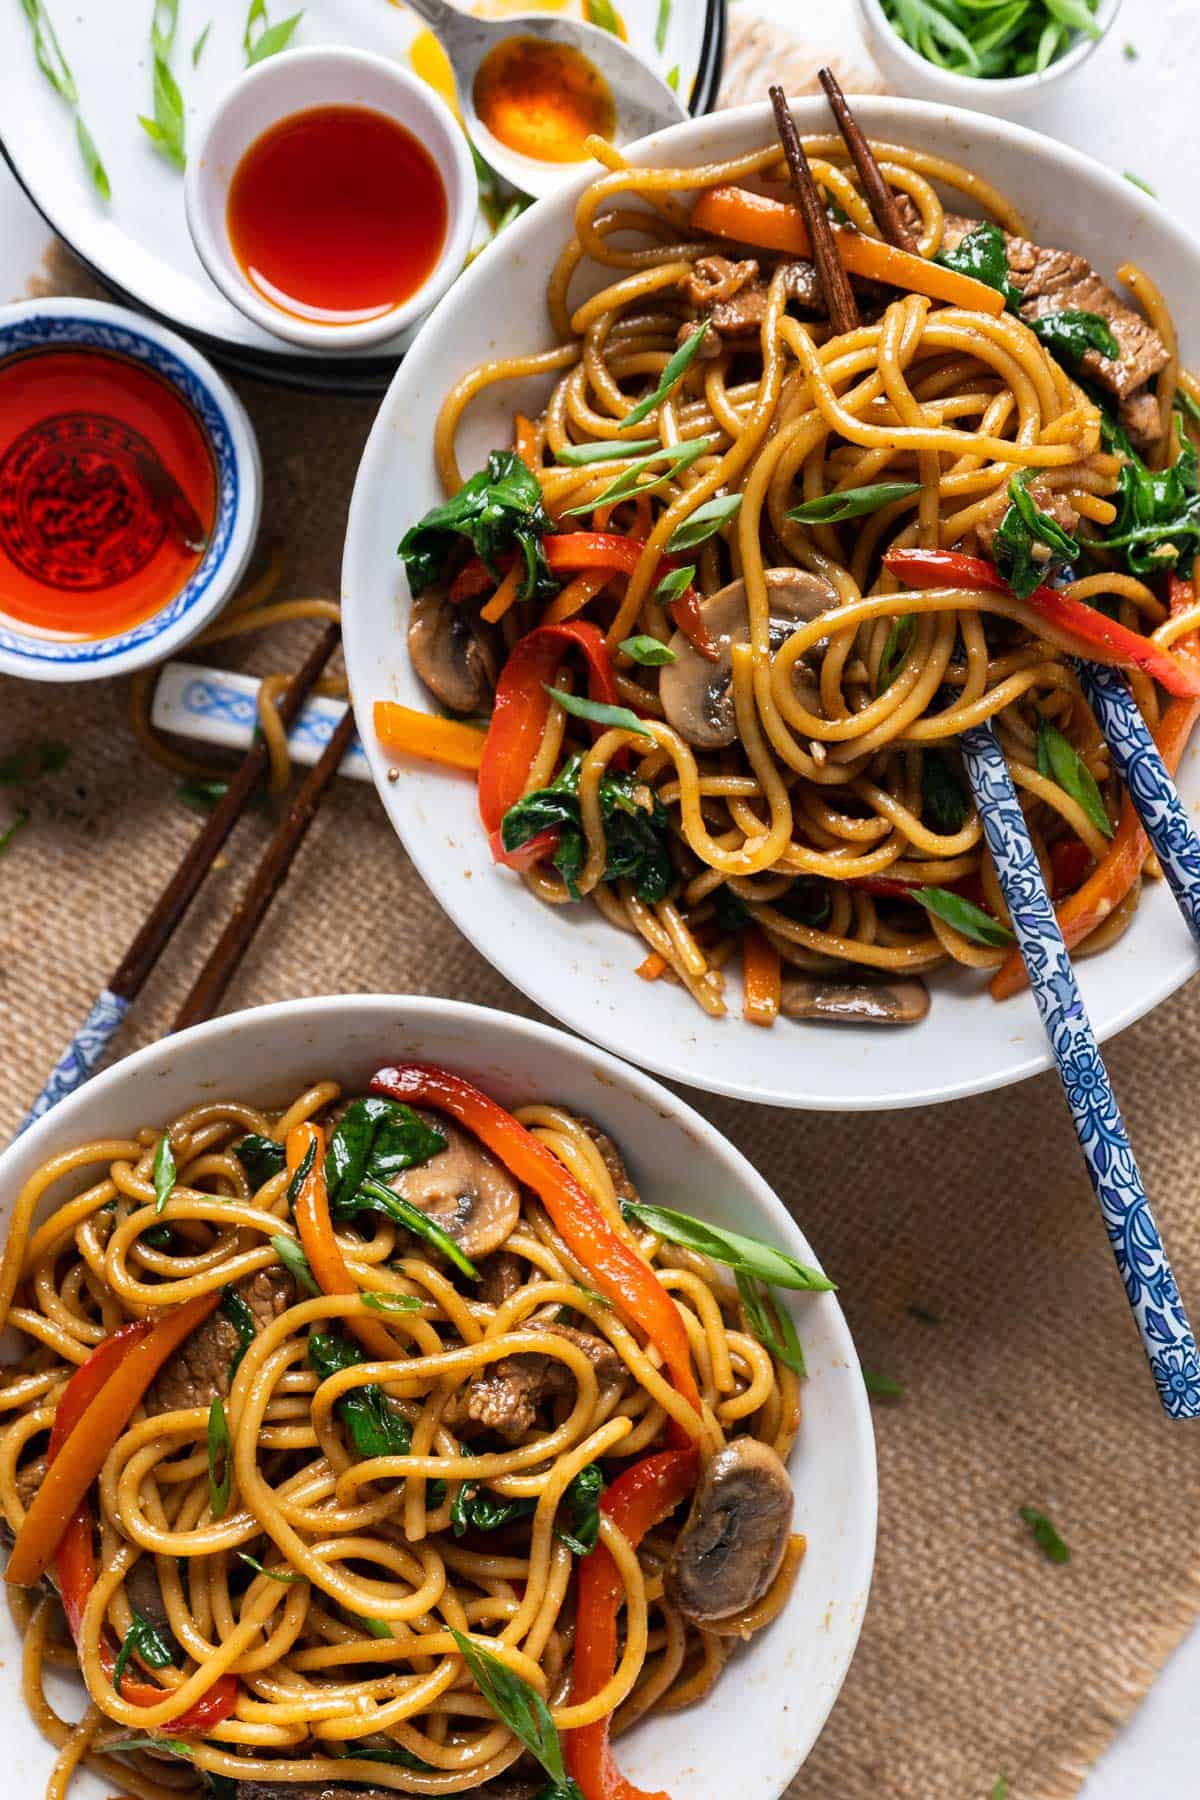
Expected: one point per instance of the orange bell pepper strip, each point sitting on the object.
(734, 212)
(616, 1267)
(640, 1498)
(761, 979)
(82, 1456)
(1100, 638)
(525, 441)
(310, 1209)
(75, 1560)
(403, 731)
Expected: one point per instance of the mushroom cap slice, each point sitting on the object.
(731, 1548)
(696, 693)
(904, 1001)
(452, 652)
(464, 1189)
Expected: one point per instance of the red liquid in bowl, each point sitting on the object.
(107, 492)
(337, 214)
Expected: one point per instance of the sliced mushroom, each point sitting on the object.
(452, 652)
(464, 1189)
(731, 1548)
(901, 1002)
(696, 693)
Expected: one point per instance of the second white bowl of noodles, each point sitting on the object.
(568, 958)
(757, 1726)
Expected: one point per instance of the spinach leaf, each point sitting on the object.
(478, 1509)
(884, 1387)
(982, 254)
(1061, 762)
(144, 1640)
(1070, 333)
(375, 1428)
(1019, 530)
(944, 803)
(34, 760)
(808, 901)
(730, 910)
(582, 1502)
(261, 1157)
(378, 1137)
(301, 1174)
(232, 1307)
(384, 1750)
(635, 830)
(498, 510)
(1158, 511)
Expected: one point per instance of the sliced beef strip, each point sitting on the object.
(507, 1395)
(1046, 500)
(499, 1277)
(30, 1478)
(733, 298)
(199, 1369)
(1057, 280)
(614, 1162)
(1139, 415)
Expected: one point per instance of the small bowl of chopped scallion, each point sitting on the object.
(1000, 55)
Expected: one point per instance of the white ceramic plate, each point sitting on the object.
(139, 243)
(753, 1733)
(567, 958)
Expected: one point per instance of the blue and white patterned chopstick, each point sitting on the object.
(82, 1056)
(1148, 783)
(1141, 1258)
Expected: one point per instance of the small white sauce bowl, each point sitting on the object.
(909, 73)
(33, 325)
(295, 82)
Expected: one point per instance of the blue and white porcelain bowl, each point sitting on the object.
(53, 324)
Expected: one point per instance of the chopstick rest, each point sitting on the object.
(1112, 1169)
(217, 706)
(1148, 783)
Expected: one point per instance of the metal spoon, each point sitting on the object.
(643, 101)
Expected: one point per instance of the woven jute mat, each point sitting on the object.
(971, 1260)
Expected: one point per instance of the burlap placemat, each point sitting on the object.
(971, 1261)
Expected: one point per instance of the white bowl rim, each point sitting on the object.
(221, 567)
(419, 1010)
(971, 89)
(457, 901)
(423, 106)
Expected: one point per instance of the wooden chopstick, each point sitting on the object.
(210, 985)
(834, 282)
(880, 197)
(154, 935)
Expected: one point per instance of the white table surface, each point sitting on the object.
(1104, 109)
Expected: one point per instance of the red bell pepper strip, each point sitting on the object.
(75, 1562)
(617, 1269)
(647, 1492)
(574, 550)
(519, 719)
(1070, 860)
(1100, 638)
(81, 1456)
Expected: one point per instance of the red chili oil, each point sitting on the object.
(337, 214)
(108, 492)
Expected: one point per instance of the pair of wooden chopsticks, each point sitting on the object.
(1108, 1155)
(86, 1049)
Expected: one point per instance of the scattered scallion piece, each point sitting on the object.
(19, 818)
(1045, 1534)
(672, 375)
(704, 523)
(596, 712)
(220, 1459)
(647, 650)
(54, 66)
(167, 128)
(198, 46)
(969, 920)
(260, 38)
(164, 1172)
(662, 25)
(1139, 183)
